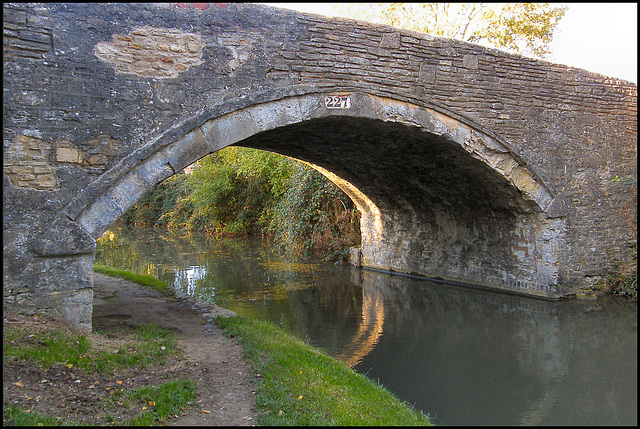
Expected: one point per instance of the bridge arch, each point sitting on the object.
(509, 247)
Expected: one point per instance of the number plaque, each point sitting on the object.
(337, 101)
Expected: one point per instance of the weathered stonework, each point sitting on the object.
(467, 163)
(160, 53)
(27, 164)
(101, 148)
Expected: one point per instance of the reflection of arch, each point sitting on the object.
(107, 198)
(368, 334)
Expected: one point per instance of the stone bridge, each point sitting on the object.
(468, 164)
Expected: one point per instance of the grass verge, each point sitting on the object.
(142, 279)
(15, 416)
(300, 385)
(71, 360)
(147, 345)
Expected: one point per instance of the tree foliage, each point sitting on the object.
(525, 28)
(157, 207)
(247, 191)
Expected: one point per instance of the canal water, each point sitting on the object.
(465, 356)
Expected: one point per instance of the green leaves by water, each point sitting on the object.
(239, 191)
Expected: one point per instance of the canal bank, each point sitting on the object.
(227, 386)
(464, 356)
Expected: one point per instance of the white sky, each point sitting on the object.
(599, 37)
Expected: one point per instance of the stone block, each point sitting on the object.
(155, 169)
(187, 150)
(102, 213)
(130, 190)
(64, 237)
(228, 129)
(72, 155)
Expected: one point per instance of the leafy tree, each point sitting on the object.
(525, 28)
(156, 208)
(314, 216)
(242, 191)
(230, 188)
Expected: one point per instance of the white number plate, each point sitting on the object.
(337, 101)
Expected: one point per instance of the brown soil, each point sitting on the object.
(211, 359)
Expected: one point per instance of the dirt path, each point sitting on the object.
(214, 361)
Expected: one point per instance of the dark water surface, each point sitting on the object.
(466, 357)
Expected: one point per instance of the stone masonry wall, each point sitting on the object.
(87, 84)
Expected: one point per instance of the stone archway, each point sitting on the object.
(525, 260)
(155, 162)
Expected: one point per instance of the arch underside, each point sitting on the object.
(438, 198)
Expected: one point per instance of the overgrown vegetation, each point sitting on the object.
(621, 279)
(300, 385)
(240, 191)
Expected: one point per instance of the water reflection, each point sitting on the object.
(369, 331)
(465, 356)
(475, 357)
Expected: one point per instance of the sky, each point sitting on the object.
(599, 37)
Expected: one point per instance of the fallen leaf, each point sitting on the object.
(69, 365)
(119, 382)
(300, 373)
(151, 403)
(144, 408)
(18, 384)
(280, 412)
(206, 411)
(299, 397)
(247, 418)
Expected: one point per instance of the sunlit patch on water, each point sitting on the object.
(290, 266)
(274, 291)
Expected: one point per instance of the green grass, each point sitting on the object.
(64, 346)
(150, 344)
(167, 400)
(156, 403)
(142, 279)
(46, 348)
(14, 416)
(300, 385)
